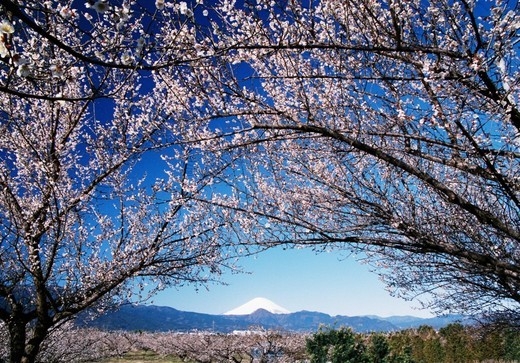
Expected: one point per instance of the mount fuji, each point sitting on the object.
(256, 304)
(259, 312)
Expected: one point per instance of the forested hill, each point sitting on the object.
(157, 318)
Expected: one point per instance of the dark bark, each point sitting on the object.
(17, 337)
(21, 349)
(32, 347)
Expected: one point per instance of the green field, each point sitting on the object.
(143, 357)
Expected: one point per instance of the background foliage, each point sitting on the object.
(453, 343)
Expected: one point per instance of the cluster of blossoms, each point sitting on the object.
(21, 63)
(181, 7)
(6, 29)
(121, 15)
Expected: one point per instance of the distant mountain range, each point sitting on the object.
(160, 318)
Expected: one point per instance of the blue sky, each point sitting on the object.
(296, 280)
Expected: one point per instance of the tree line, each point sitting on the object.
(452, 343)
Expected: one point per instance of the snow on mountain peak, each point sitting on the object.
(256, 304)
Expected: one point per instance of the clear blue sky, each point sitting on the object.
(296, 280)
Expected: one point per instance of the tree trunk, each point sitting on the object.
(33, 346)
(22, 350)
(17, 335)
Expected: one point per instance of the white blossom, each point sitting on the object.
(100, 6)
(183, 7)
(23, 64)
(56, 71)
(159, 4)
(6, 27)
(4, 52)
(67, 12)
(123, 13)
(24, 70)
(127, 58)
(141, 41)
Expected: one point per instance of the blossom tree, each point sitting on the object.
(381, 127)
(245, 346)
(105, 197)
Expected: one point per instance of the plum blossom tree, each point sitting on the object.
(104, 198)
(382, 127)
(71, 344)
(239, 347)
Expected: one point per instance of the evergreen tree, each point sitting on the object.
(378, 350)
(336, 346)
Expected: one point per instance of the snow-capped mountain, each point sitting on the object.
(161, 318)
(257, 304)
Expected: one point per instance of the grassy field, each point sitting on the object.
(151, 357)
(143, 357)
